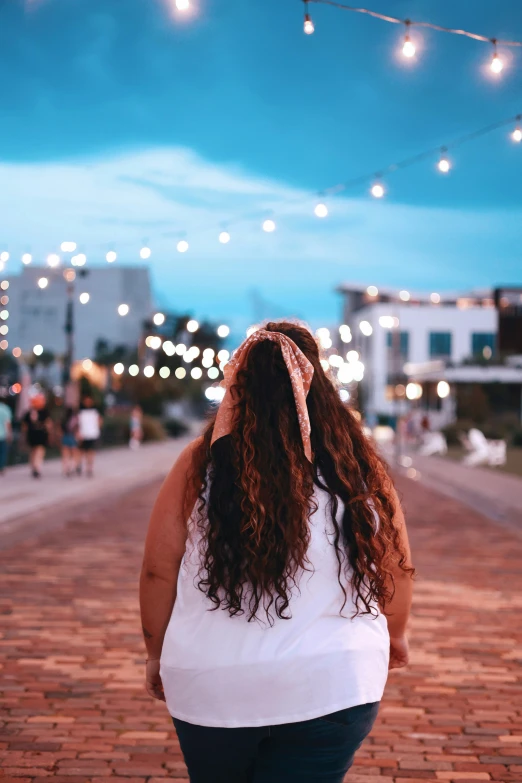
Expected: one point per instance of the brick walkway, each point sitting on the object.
(75, 710)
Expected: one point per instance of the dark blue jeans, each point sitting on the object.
(311, 751)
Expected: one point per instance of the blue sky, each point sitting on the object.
(122, 121)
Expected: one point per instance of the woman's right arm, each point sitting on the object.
(397, 610)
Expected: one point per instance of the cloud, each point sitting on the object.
(160, 195)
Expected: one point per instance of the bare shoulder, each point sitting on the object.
(183, 465)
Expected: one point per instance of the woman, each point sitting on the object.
(37, 426)
(136, 427)
(70, 453)
(276, 582)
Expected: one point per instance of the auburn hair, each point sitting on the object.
(255, 490)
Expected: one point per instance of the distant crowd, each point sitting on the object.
(77, 432)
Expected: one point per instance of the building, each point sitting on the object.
(394, 330)
(38, 310)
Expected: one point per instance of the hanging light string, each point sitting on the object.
(267, 216)
(422, 156)
(411, 23)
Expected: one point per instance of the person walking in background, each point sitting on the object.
(6, 434)
(136, 427)
(276, 581)
(37, 425)
(89, 430)
(69, 444)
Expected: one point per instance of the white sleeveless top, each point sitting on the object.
(224, 671)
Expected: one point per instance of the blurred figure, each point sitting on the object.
(425, 424)
(6, 433)
(89, 430)
(36, 425)
(136, 427)
(69, 444)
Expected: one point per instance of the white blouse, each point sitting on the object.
(224, 671)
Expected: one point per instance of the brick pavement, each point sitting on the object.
(74, 710)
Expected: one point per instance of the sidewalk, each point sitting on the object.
(495, 494)
(24, 499)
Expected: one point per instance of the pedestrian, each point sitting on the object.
(89, 430)
(37, 426)
(69, 445)
(276, 580)
(136, 427)
(6, 434)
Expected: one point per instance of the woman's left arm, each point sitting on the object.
(164, 550)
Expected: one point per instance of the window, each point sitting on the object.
(440, 344)
(481, 340)
(404, 342)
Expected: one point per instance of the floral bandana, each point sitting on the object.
(300, 371)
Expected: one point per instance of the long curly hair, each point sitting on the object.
(255, 491)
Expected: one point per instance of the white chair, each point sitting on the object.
(482, 451)
(433, 443)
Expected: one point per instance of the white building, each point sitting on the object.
(402, 327)
(37, 314)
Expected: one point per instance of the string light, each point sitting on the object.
(182, 246)
(196, 373)
(496, 63)
(134, 370)
(164, 372)
(517, 133)
(4, 256)
(435, 298)
(4, 285)
(148, 371)
(145, 252)
(87, 365)
(308, 24)
(408, 47)
(405, 296)
(443, 165)
(443, 389)
(180, 372)
(192, 326)
(27, 258)
(119, 368)
(53, 260)
(269, 226)
(213, 373)
(224, 237)
(159, 319)
(182, 5)
(79, 260)
(43, 282)
(38, 350)
(169, 347)
(223, 330)
(68, 247)
(428, 25)
(321, 210)
(372, 290)
(123, 309)
(111, 256)
(377, 190)
(84, 298)
(366, 328)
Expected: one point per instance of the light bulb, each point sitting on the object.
(4, 256)
(223, 330)
(182, 246)
(145, 252)
(111, 256)
(321, 210)
(43, 282)
(377, 190)
(53, 260)
(192, 325)
(308, 25)
(68, 247)
(517, 134)
(84, 298)
(27, 258)
(123, 309)
(269, 226)
(119, 368)
(408, 48)
(444, 165)
(182, 5)
(159, 319)
(496, 64)
(224, 237)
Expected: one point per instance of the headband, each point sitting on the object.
(299, 369)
